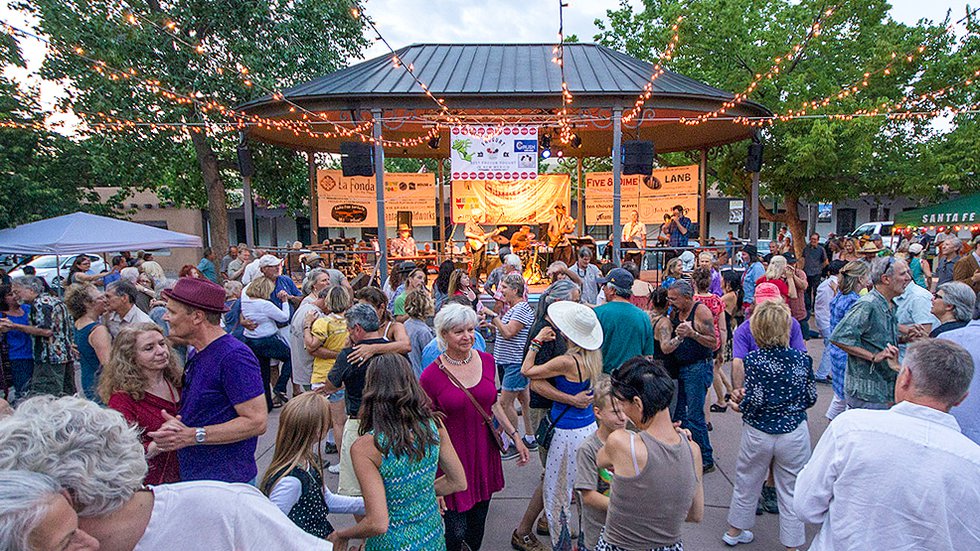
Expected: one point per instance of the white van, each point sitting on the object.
(884, 229)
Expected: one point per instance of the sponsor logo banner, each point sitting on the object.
(651, 196)
(352, 201)
(504, 153)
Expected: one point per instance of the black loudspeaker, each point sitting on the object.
(357, 159)
(245, 164)
(753, 163)
(638, 158)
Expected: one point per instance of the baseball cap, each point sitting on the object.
(767, 291)
(269, 260)
(618, 277)
(915, 248)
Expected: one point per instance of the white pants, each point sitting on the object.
(348, 484)
(788, 454)
(836, 407)
(559, 480)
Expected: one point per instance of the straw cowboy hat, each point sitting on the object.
(869, 248)
(578, 323)
(404, 227)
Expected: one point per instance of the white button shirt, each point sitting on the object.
(967, 414)
(905, 478)
(821, 305)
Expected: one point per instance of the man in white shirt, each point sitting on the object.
(905, 478)
(967, 413)
(252, 268)
(636, 233)
(821, 313)
(122, 311)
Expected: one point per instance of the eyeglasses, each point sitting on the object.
(936, 295)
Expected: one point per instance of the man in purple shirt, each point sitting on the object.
(222, 404)
(743, 342)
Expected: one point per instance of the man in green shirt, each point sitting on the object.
(627, 331)
(869, 335)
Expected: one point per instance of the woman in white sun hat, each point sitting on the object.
(573, 372)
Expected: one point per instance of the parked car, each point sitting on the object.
(884, 229)
(47, 267)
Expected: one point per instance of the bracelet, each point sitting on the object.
(538, 342)
(511, 434)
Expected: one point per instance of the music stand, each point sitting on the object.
(579, 242)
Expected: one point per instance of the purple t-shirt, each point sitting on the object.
(743, 342)
(225, 373)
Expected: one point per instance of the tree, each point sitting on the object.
(725, 43)
(42, 174)
(272, 43)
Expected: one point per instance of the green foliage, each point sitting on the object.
(281, 42)
(725, 43)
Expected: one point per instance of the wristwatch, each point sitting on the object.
(200, 435)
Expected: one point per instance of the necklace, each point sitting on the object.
(452, 361)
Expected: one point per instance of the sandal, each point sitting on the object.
(715, 408)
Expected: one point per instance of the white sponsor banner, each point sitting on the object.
(492, 152)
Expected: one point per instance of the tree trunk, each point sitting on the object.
(791, 218)
(217, 206)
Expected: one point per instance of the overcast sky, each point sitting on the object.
(404, 22)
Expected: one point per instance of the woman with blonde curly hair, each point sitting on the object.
(140, 380)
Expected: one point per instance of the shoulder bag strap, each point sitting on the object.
(486, 418)
(568, 406)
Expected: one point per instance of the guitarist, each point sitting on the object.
(559, 227)
(476, 242)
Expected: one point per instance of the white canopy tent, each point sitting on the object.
(81, 233)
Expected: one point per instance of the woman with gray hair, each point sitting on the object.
(953, 303)
(316, 280)
(37, 515)
(97, 457)
(461, 386)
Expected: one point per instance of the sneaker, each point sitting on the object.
(769, 501)
(334, 469)
(758, 508)
(709, 468)
(527, 542)
(511, 453)
(531, 443)
(745, 536)
(541, 527)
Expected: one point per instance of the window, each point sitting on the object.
(846, 221)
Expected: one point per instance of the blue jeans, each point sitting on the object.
(693, 383)
(266, 349)
(22, 371)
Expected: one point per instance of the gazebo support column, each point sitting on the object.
(379, 186)
(754, 211)
(314, 203)
(580, 209)
(703, 197)
(440, 210)
(617, 166)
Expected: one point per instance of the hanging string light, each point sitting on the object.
(564, 128)
(815, 30)
(666, 55)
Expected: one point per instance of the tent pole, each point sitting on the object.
(617, 162)
(314, 200)
(379, 186)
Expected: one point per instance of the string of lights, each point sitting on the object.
(665, 56)
(564, 128)
(815, 30)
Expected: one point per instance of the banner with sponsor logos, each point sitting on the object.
(651, 196)
(516, 202)
(504, 153)
(350, 201)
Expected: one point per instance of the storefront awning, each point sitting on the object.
(964, 210)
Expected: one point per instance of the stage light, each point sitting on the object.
(434, 142)
(576, 141)
(545, 153)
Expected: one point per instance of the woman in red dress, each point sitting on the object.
(141, 379)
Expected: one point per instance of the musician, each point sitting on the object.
(522, 239)
(636, 233)
(403, 245)
(559, 227)
(476, 241)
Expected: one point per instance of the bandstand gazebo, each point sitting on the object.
(499, 83)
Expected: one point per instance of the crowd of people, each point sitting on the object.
(424, 390)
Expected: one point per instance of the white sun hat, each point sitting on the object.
(578, 322)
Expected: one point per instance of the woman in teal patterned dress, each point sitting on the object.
(402, 444)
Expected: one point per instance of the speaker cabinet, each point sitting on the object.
(638, 158)
(357, 159)
(245, 164)
(753, 163)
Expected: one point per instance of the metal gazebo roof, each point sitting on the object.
(512, 82)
